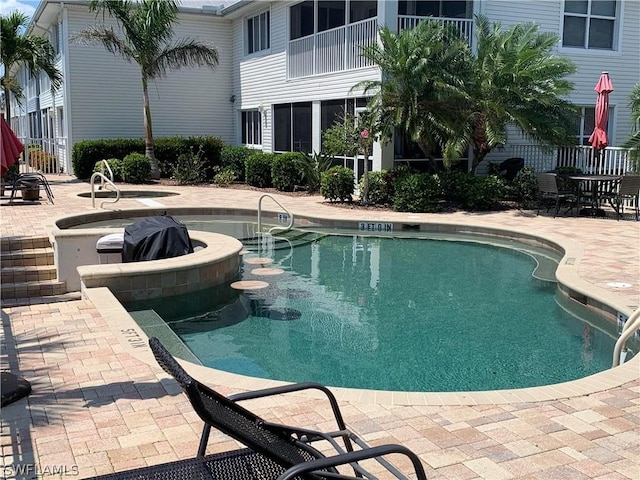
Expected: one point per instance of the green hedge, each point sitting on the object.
(86, 153)
(258, 169)
(233, 157)
(135, 168)
(417, 192)
(286, 171)
(337, 183)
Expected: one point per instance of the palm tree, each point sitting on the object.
(147, 39)
(422, 88)
(633, 142)
(517, 80)
(16, 48)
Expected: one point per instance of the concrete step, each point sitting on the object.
(27, 257)
(28, 273)
(44, 288)
(19, 302)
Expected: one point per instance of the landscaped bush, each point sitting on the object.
(258, 169)
(525, 187)
(41, 160)
(312, 167)
(136, 168)
(168, 150)
(189, 168)
(224, 176)
(378, 188)
(233, 157)
(116, 168)
(455, 184)
(417, 192)
(337, 184)
(484, 193)
(86, 153)
(286, 172)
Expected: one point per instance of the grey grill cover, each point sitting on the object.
(155, 238)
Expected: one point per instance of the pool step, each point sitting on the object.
(28, 272)
(292, 238)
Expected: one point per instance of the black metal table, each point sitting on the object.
(596, 183)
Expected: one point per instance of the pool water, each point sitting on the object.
(393, 314)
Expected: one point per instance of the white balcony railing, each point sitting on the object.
(610, 161)
(465, 25)
(333, 50)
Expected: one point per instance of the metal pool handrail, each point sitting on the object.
(630, 326)
(93, 189)
(272, 229)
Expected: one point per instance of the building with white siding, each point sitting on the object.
(287, 68)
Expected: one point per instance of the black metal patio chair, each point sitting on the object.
(548, 191)
(282, 451)
(628, 188)
(275, 451)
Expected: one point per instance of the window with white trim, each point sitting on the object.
(252, 128)
(590, 24)
(587, 122)
(258, 36)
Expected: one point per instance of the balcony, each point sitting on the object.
(334, 50)
(465, 25)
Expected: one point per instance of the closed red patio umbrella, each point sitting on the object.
(11, 147)
(604, 87)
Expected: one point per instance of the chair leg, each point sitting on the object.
(204, 440)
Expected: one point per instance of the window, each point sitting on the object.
(55, 38)
(436, 8)
(589, 24)
(331, 14)
(587, 122)
(302, 20)
(292, 127)
(362, 9)
(251, 128)
(332, 110)
(258, 33)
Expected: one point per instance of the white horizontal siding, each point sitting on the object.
(106, 91)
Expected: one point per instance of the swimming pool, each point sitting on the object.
(410, 314)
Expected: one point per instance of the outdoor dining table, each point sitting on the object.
(597, 184)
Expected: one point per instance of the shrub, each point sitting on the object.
(41, 160)
(190, 168)
(525, 187)
(86, 153)
(484, 193)
(116, 168)
(286, 171)
(234, 157)
(312, 167)
(167, 151)
(136, 168)
(416, 192)
(378, 187)
(337, 184)
(455, 184)
(224, 176)
(258, 169)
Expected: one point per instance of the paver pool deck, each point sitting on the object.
(97, 407)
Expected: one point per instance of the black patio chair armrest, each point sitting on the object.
(294, 387)
(351, 457)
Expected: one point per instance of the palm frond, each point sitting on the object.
(186, 53)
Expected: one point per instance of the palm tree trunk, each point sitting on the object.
(427, 153)
(7, 105)
(148, 131)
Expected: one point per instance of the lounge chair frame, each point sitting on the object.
(287, 447)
